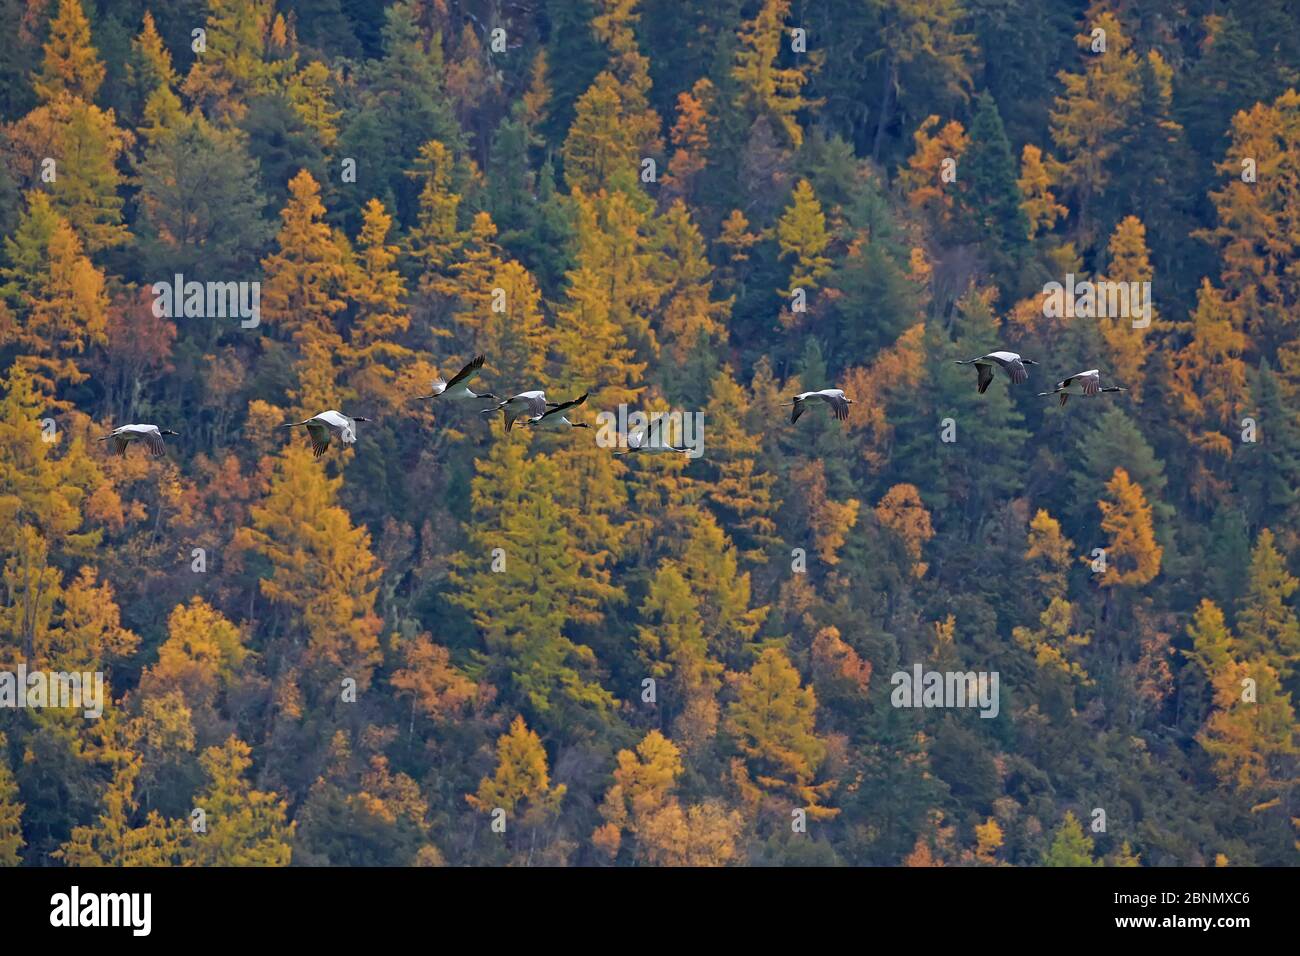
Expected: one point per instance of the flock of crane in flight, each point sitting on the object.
(536, 412)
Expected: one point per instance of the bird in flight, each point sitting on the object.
(1010, 363)
(553, 418)
(834, 397)
(327, 425)
(1082, 383)
(531, 404)
(151, 435)
(458, 390)
(650, 442)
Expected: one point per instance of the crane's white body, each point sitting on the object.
(329, 424)
(339, 425)
(1082, 383)
(530, 405)
(133, 432)
(458, 390)
(1010, 364)
(553, 418)
(151, 436)
(833, 397)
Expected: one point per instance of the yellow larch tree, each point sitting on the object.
(515, 335)
(521, 784)
(1208, 390)
(590, 349)
(641, 804)
(1258, 229)
(742, 489)
(1050, 554)
(375, 357)
(616, 242)
(829, 521)
(710, 564)
(470, 275)
(200, 658)
(1035, 183)
(1090, 114)
(689, 314)
(85, 632)
(311, 93)
(323, 573)
(923, 179)
(891, 377)
(1129, 345)
(434, 242)
(1268, 626)
(772, 724)
(735, 242)
(245, 41)
(113, 840)
(614, 25)
(306, 282)
(1249, 729)
(56, 297)
(902, 512)
(84, 145)
(11, 811)
(1132, 554)
(152, 74)
(802, 235)
(1056, 643)
(71, 65)
(244, 827)
(767, 89)
(546, 582)
(603, 147)
(675, 650)
(1250, 733)
(591, 354)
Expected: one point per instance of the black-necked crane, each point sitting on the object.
(458, 390)
(151, 435)
(531, 404)
(326, 425)
(1082, 383)
(553, 418)
(834, 397)
(650, 441)
(1010, 363)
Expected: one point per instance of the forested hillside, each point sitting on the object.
(444, 641)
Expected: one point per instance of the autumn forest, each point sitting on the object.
(443, 641)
